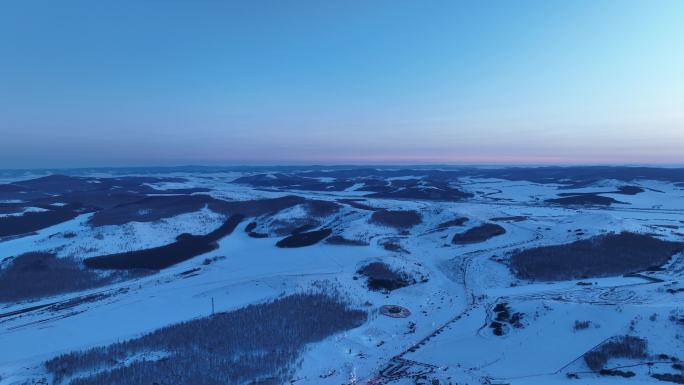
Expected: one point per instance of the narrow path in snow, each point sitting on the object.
(399, 367)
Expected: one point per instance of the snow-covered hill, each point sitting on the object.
(468, 316)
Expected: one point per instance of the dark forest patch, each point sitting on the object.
(150, 209)
(251, 226)
(670, 227)
(256, 207)
(357, 204)
(303, 228)
(414, 188)
(314, 211)
(35, 275)
(157, 207)
(97, 200)
(376, 185)
(616, 347)
(478, 234)
(381, 277)
(629, 190)
(581, 176)
(584, 199)
(423, 193)
(514, 218)
(669, 377)
(340, 240)
(304, 239)
(10, 192)
(571, 177)
(622, 190)
(123, 199)
(293, 182)
(114, 200)
(13, 208)
(394, 246)
(255, 234)
(458, 222)
(181, 191)
(400, 219)
(601, 256)
(289, 226)
(60, 184)
(33, 221)
(319, 208)
(260, 341)
(56, 184)
(505, 319)
(249, 229)
(617, 373)
(186, 246)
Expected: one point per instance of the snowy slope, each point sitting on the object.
(447, 336)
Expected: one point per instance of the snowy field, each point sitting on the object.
(454, 293)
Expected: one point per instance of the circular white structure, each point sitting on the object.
(394, 311)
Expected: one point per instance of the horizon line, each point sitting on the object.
(352, 165)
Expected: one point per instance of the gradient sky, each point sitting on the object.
(99, 83)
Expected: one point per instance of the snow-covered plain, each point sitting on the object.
(446, 338)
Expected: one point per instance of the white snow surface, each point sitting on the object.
(451, 309)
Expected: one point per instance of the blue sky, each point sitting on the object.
(94, 83)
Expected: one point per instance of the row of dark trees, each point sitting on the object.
(38, 274)
(600, 256)
(260, 341)
(616, 347)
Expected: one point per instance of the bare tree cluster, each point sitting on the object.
(616, 347)
(478, 234)
(36, 274)
(400, 219)
(382, 277)
(259, 342)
